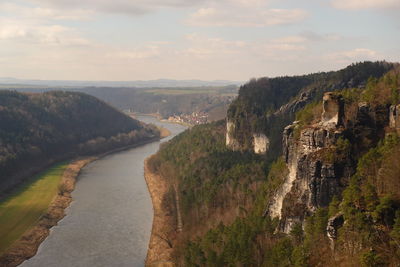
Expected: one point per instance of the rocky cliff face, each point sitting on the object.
(314, 173)
(260, 141)
(394, 117)
(333, 110)
(231, 142)
(267, 105)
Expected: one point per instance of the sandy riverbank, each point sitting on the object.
(160, 249)
(26, 247)
(164, 132)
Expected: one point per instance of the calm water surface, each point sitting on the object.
(110, 218)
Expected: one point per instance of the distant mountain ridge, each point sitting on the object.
(134, 83)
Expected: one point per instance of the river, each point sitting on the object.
(109, 221)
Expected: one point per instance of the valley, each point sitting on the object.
(111, 213)
(183, 133)
(165, 102)
(301, 172)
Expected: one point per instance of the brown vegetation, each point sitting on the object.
(164, 223)
(164, 132)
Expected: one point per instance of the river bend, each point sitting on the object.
(109, 221)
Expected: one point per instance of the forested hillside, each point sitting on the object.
(165, 102)
(37, 129)
(267, 105)
(330, 198)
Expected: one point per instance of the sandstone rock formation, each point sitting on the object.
(231, 142)
(314, 176)
(334, 223)
(394, 117)
(261, 143)
(333, 110)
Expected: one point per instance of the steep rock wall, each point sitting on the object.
(333, 110)
(394, 117)
(313, 178)
(314, 175)
(290, 155)
(231, 142)
(261, 143)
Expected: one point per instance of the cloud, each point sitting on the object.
(139, 6)
(37, 25)
(222, 16)
(146, 52)
(316, 37)
(293, 39)
(207, 48)
(244, 13)
(43, 13)
(357, 54)
(203, 46)
(135, 7)
(33, 33)
(37, 41)
(299, 42)
(235, 13)
(273, 48)
(365, 4)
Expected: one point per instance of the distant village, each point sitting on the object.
(195, 118)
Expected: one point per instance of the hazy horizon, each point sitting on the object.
(9, 80)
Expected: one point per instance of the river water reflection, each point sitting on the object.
(110, 218)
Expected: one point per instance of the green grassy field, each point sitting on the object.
(23, 208)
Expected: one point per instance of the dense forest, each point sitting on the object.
(37, 129)
(225, 195)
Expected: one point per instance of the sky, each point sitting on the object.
(121, 40)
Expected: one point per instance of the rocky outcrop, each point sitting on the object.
(290, 155)
(261, 143)
(333, 110)
(334, 223)
(267, 105)
(394, 117)
(314, 174)
(231, 142)
(297, 103)
(319, 158)
(313, 178)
